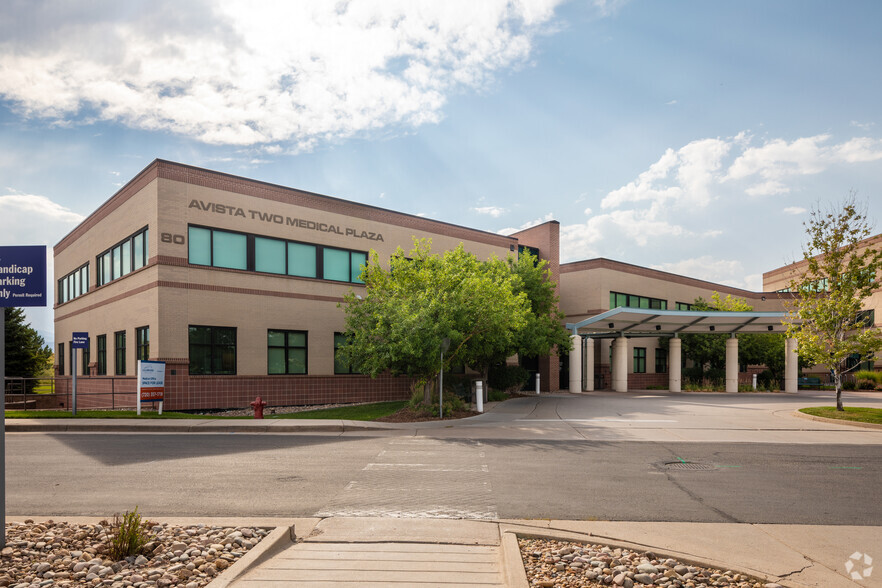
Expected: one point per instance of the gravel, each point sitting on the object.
(59, 554)
(559, 564)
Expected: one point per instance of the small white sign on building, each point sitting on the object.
(151, 382)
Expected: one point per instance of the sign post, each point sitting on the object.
(22, 283)
(151, 383)
(79, 340)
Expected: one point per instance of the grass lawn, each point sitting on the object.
(361, 412)
(852, 413)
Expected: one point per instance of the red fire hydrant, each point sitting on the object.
(258, 405)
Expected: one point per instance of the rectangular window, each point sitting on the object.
(200, 246)
(229, 250)
(60, 359)
(73, 284)
(684, 306)
(661, 361)
(286, 352)
(120, 260)
(86, 351)
(119, 346)
(617, 299)
(269, 255)
(101, 360)
(341, 366)
(142, 341)
(212, 350)
(301, 260)
(225, 249)
(640, 360)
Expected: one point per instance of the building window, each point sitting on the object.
(661, 361)
(617, 299)
(341, 365)
(684, 306)
(74, 284)
(226, 249)
(286, 352)
(212, 350)
(60, 359)
(101, 360)
(640, 360)
(123, 258)
(142, 341)
(119, 347)
(86, 353)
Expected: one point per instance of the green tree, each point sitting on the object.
(408, 309)
(840, 272)
(489, 310)
(27, 354)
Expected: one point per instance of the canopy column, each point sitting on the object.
(620, 364)
(588, 367)
(791, 365)
(675, 364)
(576, 364)
(732, 364)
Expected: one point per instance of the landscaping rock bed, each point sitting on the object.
(67, 555)
(565, 564)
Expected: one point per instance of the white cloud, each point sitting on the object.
(694, 166)
(240, 72)
(729, 272)
(493, 211)
(34, 220)
(794, 210)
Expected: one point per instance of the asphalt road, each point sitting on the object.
(457, 474)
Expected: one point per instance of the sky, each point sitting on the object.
(688, 136)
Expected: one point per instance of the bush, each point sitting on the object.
(849, 385)
(129, 535)
(497, 395)
(866, 385)
(875, 377)
(507, 378)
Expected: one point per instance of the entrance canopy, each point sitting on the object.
(646, 322)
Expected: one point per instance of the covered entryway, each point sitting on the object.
(622, 323)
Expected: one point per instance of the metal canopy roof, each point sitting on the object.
(646, 322)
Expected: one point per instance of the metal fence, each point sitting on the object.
(104, 392)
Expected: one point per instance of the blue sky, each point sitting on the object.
(688, 136)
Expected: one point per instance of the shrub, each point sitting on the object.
(129, 535)
(875, 377)
(866, 385)
(507, 378)
(497, 395)
(849, 385)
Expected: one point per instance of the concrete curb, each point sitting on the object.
(811, 417)
(278, 539)
(512, 529)
(513, 571)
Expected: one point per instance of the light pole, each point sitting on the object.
(445, 345)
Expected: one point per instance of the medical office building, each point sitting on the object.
(236, 284)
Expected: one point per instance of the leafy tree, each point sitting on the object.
(840, 273)
(27, 354)
(489, 310)
(421, 299)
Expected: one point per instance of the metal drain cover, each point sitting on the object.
(687, 465)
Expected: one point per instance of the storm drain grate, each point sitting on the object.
(687, 465)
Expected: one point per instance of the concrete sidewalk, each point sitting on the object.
(424, 553)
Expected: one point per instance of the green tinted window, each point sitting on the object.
(336, 265)
(357, 260)
(269, 255)
(140, 242)
(286, 352)
(230, 250)
(301, 260)
(200, 246)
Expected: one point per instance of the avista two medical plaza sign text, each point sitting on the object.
(23, 275)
